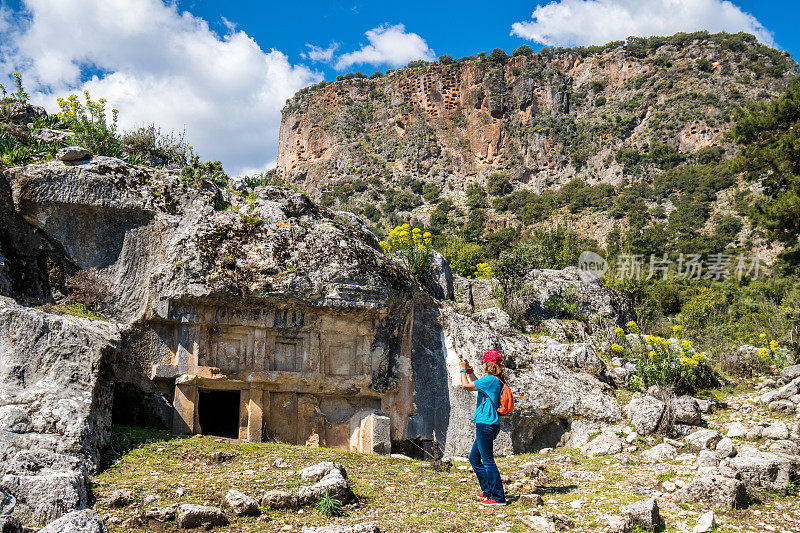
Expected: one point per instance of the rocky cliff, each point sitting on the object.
(263, 301)
(541, 119)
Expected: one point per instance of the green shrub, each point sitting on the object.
(170, 148)
(498, 184)
(476, 197)
(600, 101)
(329, 506)
(499, 56)
(196, 172)
(463, 257)
(628, 157)
(523, 50)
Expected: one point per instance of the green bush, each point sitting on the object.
(463, 257)
(412, 247)
(499, 56)
(523, 50)
(476, 197)
(196, 172)
(170, 148)
(498, 184)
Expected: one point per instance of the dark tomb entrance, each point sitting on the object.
(219, 413)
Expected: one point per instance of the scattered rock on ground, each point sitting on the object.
(790, 373)
(83, 521)
(718, 492)
(120, 498)
(333, 484)
(705, 523)
(776, 431)
(535, 473)
(541, 524)
(785, 446)
(725, 448)
(314, 473)
(161, 514)
(659, 453)
(222, 457)
(190, 515)
(767, 470)
(355, 528)
(607, 443)
(241, 503)
(707, 459)
(704, 439)
(73, 153)
(737, 429)
(687, 411)
(643, 513)
(279, 499)
(531, 500)
(7, 503)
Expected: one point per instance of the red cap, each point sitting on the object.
(493, 356)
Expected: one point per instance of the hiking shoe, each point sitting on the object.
(480, 496)
(489, 502)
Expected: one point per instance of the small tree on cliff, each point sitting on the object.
(768, 135)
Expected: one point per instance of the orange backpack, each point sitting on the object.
(506, 400)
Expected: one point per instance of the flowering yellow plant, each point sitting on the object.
(412, 247)
(482, 271)
(659, 361)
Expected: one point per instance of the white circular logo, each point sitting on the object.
(592, 263)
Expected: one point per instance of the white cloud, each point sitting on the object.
(317, 53)
(158, 65)
(388, 45)
(584, 22)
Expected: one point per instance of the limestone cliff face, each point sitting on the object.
(541, 119)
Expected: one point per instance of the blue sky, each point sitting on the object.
(449, 27)
(221, 71)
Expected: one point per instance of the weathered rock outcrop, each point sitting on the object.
(54, 377)
(285, 310)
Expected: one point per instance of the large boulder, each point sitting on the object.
(333, 484)
(55, 387)
(687, 411)
(645, 413)
(766, 469)
(643, 513)
(192, 516)
(790, 373)
(85, 521)
(715, 491)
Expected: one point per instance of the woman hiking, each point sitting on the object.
(487, 425)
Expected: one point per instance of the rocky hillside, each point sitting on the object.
(610, 116)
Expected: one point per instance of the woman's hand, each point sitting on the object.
(464, 364)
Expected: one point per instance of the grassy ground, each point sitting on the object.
(405, 496)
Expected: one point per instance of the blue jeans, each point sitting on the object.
(482, 460)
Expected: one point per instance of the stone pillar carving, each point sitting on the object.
(184, 406)
(255, 413)
(370, 432)
(244, 410)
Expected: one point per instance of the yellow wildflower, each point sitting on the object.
(685, 361)
(653, 355)
(699, 357)
(617, 348)
(773, 345)
(763, 335)
(677, 330)
(620, 333)
(763, 353)
(634, 327)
